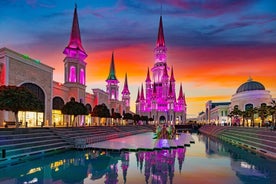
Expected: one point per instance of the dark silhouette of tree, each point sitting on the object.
(13, 98)
(145, 118)
(136, 118)
(74, 109)
(236, 113)
(263, 112)
(272, 111)
(101, 111)
(249, 114)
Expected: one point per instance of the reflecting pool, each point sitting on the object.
(206, 161)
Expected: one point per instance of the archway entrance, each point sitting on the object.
(162, 120)
(31, 118)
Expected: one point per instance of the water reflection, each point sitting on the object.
(154, 167)
(160, 164)
(249, 167)
(75, 167)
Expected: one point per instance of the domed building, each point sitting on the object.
(250, 93)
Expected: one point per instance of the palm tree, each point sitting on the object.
(15, 99)
(272, 111)
(263, 112)
(249, 114)
(74, 108)
(236, 113)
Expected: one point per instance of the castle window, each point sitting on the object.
(72, 75)
(82, 77)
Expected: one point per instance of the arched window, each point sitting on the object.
(72, 74)
(248, 106)
(58, 103)
(82, 76)
(37, 91)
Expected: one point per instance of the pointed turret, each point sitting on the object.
(142, 97)
(126, 90)
(112, 74)
(181, 95)
(138, 96)
(172, 76)
(148, 77)
(160, 38)
(75, 48)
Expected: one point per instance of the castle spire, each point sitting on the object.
(160, 38)
(148, 76)
(142, 97)
(112, 74)
(126, 90)
(75, 44)
(181, 95)
(138, 96)
(172, 76)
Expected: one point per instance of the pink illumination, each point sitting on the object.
(74, 48)
(72, 75)
(2, 74)
(160, 96)
(82, 76)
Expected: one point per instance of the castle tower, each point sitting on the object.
(126, 95)
(160, 53)
(160, 102)
(112, 87)
(74, 64)
(172, 81)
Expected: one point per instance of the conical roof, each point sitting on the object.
(148, 77)
(160, 37)
(172, 76)
(126, 90)
(138, 96)
(75, 37)
(181, 95)
(112, 74)
(142, 97)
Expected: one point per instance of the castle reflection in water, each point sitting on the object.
(157, 166)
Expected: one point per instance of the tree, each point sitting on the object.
(136, 118)
(13, 98)
(236, 112)
(101, 111)
(263, 112)
(74, 109)
(249, 114)
(127, 116)
(272, 111)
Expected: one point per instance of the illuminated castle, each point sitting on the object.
(161, 102)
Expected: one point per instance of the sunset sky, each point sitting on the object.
(213, 45)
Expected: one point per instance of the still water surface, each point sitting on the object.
(206, 161)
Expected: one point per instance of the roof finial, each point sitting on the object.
(249, 78)
(161, 9)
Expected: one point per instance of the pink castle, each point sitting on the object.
(160, 101)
